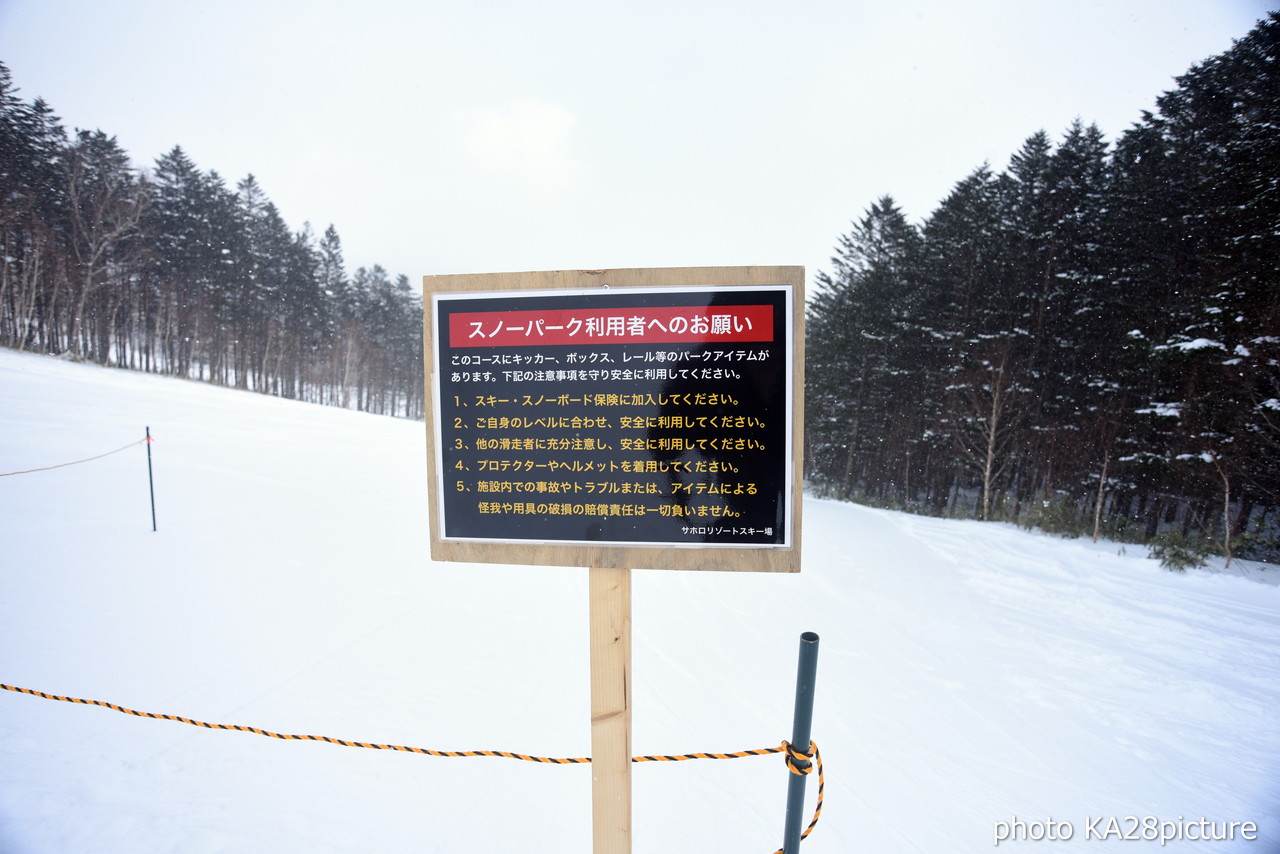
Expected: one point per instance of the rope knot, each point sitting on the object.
(799, 762)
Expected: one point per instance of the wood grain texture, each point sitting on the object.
(610, 596)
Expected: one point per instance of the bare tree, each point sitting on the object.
(105, 206)
(989, 421)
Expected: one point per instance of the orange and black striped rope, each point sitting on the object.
(797, 761)
(287, 737)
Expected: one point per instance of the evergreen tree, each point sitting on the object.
(32, 227)
(1218, 360)
(854, 347)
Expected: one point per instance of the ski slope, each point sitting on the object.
(969, 674)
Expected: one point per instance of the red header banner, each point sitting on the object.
(659, 325)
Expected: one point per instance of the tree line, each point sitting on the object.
(1088, 340)
(170, 270)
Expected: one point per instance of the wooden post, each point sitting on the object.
(610, 595)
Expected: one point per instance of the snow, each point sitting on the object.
(1197, 344)
(1163, 410)
(968, 673)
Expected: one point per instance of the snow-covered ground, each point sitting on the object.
(968, 673)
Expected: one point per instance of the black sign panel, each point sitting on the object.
(651, 417)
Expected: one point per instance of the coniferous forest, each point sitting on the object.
(170, 270)
(1087, 341)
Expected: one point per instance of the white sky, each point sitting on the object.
(468, 137)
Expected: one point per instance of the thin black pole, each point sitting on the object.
(151, 480)
(806, 676)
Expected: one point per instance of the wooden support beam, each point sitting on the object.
(610, 595)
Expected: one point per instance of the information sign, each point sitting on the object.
(645, 416)
(616, 419)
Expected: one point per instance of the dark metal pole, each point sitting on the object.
(151, 481)
(806, 675)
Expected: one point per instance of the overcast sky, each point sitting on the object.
(466, 137)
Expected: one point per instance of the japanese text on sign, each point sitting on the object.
(641, 417)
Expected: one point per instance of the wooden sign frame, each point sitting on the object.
(697, 557)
